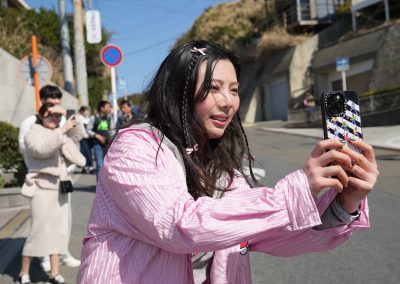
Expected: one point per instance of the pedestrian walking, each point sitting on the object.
(100, 129)
(47, 150)
(173, 204)
(48, 94)
(85, 143)
(126, 113)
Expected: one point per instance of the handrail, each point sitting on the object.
(367, 105)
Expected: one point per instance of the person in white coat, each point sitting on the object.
(48, 94)
(48, 149)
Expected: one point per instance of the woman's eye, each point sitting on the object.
(214, 88)
(235, 91)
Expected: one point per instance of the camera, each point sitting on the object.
(334, 104)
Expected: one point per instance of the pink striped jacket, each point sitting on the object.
(144, 224)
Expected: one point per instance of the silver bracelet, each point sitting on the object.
(342, 214)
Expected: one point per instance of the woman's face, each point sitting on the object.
(222, 102)
(51, 120)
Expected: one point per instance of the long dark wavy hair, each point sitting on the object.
(169, 105)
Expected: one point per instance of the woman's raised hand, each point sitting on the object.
(363, 175)
(57, 109)
(322, 164)
(69, 124)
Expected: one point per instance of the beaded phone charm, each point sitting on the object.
(201, 51)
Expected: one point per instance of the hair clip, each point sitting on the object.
(191, 150)
(199, 50)
(250, 158)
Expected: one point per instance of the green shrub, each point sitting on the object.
(345, 8)
(10, 157)
(387, 90)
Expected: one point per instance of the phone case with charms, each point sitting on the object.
(346, 125)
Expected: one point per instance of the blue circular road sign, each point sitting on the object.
(111, 55)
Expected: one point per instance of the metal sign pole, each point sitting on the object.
(35, 74)
(114, 93)
(344, 83)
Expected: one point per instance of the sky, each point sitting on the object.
(145, 30)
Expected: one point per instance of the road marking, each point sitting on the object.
(259, 173)
(8, 230)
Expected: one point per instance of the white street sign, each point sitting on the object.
(93, 26)
(122, 84)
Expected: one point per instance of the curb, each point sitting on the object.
(14, 224)
(378, 146)
(13, 233)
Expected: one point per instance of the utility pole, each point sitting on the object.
(270, 12)
(66, 50)
(80, 57)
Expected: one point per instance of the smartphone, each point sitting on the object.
(341, 117)
(70, 112)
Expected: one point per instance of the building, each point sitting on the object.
(372, 8)
(306, 13)
(17, 4)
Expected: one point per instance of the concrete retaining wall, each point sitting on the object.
(17, 98)
(11, 197)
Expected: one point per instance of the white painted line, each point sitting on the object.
(259, 173)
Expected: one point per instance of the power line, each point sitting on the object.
(151, 46)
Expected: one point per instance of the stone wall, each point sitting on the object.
(387, 65)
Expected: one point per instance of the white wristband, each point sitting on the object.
(341, 214)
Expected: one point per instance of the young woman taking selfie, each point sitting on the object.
(173, 204)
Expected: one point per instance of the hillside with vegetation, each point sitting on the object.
(242, 26)
(17, 27)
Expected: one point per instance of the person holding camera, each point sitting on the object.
(48, 94)
(48, 148)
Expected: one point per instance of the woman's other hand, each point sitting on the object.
(322, 165)
(363, 175)
(57, 109)
(69, 124)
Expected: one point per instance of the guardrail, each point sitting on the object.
(304, 115)
(379, 102)
(368, 105)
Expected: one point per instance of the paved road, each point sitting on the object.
(371, 256)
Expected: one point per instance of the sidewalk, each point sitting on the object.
(385, 137)
(15, 226)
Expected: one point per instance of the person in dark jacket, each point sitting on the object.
(100, 129)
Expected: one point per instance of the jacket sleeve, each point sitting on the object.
(40, 144)
(23, 130)
(151, 202)
(90, 126)
(309, 239)
(72, 153)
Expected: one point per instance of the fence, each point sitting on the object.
(376, 103)
(304, 115)
(294, 12)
